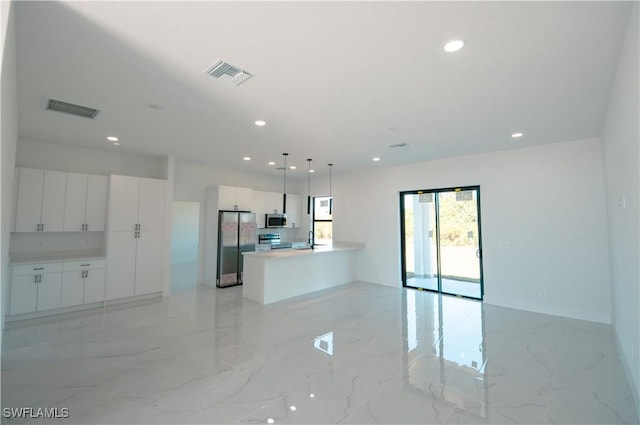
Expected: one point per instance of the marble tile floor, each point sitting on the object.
(355, 354)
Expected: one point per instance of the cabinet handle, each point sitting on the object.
(42, 229)
(86, 227)
(35, 279)
(85, 265)
(39, 268)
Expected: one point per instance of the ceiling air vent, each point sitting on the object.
(229, 73)
(70, 108)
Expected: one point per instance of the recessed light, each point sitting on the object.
(376, 159)
(517, 135)
(292, 408)
(260, 123)
(293, 167)
(272, 163)
(312, 171)
(312, 395)
(270, 421)
(112, 138)
(116, 143)
(247, 158)
(453, 46)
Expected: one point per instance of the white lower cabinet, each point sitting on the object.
(49, 290)
(24, 292)
(72, 289)
(135, 260)
(35, 287)
(94, 285)
(39, 287)
(121, 250)
(148, 269)
(83, 282)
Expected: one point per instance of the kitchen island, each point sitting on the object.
(277, 275)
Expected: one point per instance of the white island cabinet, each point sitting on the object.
(277, 275)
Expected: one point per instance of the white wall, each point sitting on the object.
(9, 137)
(621, 139)
(61, 157)
(544, 231)
(192, 181)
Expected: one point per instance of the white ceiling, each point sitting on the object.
(336, 81)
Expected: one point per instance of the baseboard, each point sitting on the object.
(39, 317)
(633, 384)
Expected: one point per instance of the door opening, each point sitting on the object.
(441, 241)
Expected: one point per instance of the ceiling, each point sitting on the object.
(337, 82)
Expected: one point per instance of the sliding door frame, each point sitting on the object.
(403, 251)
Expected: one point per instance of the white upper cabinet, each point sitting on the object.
(235, 198)
(40, 203)
(136, 204)
(259, 207)
(53, 193)
(85, 202)
(96, 202)
(151, 204)
(29, 202)
(75, 202)
(123, 203)
(273, 203)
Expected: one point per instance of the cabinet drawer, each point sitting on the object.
(84, 265)
(37, 268)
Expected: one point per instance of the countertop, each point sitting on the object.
(55, 257)
(295, 252)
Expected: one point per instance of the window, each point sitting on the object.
(323, 219)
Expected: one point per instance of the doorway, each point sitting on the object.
(441, 241)
(185, 244)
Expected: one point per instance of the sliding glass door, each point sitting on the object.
(441, 241)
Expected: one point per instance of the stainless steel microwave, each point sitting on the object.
(275, 220)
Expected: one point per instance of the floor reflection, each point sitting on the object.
(446, 333)
(355, 354)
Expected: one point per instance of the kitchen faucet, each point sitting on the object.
(311, 238)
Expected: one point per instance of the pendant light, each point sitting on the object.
(330, 191)
(284, 191)
(309, 187)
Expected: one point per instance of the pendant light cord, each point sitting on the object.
(284, 191)
(309, 187)
(330, 190)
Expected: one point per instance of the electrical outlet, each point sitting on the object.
(622, 202)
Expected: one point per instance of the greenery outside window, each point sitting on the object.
(322, 219)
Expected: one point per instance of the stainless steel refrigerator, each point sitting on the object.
(236, 234)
